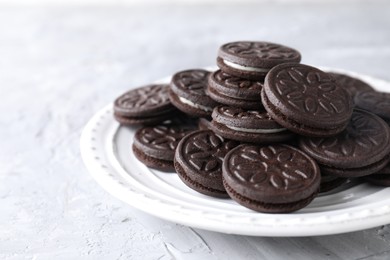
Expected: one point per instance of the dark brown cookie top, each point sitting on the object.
(308, 95)
(201, 153)
(351, 84)
(272, 174)
(238, 117)
(191, 80)
(160, 141)
(191, 85)
(258, 54)
(234, 86)
(144, 101)
(365, 141)
(375, 102)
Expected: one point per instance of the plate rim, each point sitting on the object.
(295, 225)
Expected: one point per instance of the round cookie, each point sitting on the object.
(375, 102)
(252, 126)
(233, 91)
(198, 162)
(381, 178)
(351, 84)
(155, 146)
(271, 179)
(363, 148)
(306, 100)
(188, 94)
(252, 60)
(144, 105)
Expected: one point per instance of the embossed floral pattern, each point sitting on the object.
(162, 137)
(205, 152)
(148, 96)
(277, 167)
(363, 136)
(311, 92)
(261, 50)
(192, 80)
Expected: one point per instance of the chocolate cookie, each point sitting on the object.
(351, 84)
(363, 148)
(375, 102)
(233, 91)
(252, 60)
(306, 100)
(271, 179)
(188, 94)
(155, 146)
(381, 178)
(252, 126)
(145, 105)
(198, 162)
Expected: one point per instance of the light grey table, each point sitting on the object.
(59, 65)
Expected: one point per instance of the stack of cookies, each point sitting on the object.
(264, 129)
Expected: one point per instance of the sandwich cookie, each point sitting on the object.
(233, 91)
(271, 179)
(198, 162)
(252, 126)
(155, 146)
(145, 105)
(306, 100)
(351, 84)
(375, 102)
(381, 178)
(363, 148)
(188, 94)
(252, 60)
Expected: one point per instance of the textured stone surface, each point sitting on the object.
(59, 65)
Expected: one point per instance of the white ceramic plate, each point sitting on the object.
(106, 151)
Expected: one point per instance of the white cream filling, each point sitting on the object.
(237, 66)
(257, 131)
(187, 102)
